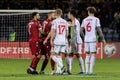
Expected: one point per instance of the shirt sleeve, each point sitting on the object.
(98, 23)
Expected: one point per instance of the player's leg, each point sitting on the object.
(62, 51)
(52, 61)
(93, 56)
(80, 59)
(87, 59)
(45, 51)
(36, 57)
(55, 55)
(68, 56)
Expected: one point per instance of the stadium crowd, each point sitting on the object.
(108, 12)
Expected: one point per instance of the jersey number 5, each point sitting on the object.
(88, 27)
(61, 29)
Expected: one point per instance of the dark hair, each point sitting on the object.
(73, 12)
(91, 10)
(34, 14)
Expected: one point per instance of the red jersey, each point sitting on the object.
(46, 28)
(33, 29)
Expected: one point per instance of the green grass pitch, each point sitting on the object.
(15, 69)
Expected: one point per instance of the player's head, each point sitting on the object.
(35, 15)
(72, 14)
(91, 10)
(58, 12)
(52, 15)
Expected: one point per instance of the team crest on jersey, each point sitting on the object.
(110, 50)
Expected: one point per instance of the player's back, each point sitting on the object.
(61, 27)
(33, 29)
(90, 23)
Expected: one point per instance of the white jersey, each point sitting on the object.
(60, 25)
(90, 23)
(77, 24)
(75, 32)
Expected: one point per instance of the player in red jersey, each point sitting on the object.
(46, 48)
(34, 28)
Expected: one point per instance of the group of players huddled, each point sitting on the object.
(56, 36)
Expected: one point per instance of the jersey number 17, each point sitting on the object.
(61, 29)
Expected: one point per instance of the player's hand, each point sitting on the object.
(45, 41)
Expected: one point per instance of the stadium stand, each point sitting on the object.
(108, 12)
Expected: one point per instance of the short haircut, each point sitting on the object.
(91, 10)
(51, 12)
(73, 12)
(58, 12)
(34, 14)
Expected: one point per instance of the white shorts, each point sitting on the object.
(90, 47)
(74, 48)
(59, 49)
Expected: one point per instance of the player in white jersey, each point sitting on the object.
(59, 33)
(91, 24)
(75, 43)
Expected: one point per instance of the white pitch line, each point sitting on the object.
(89, 76)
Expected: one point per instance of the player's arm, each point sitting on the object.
(44, 24)
(81, 31)
(70, 24)
(40, 29)
(48, 37)
(99, 30)
(52, 33)
(67, 30)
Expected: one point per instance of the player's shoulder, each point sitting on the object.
(77, 21)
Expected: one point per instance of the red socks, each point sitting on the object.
(34, 62)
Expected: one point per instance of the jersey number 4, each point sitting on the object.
(88, 27)
(61, 29)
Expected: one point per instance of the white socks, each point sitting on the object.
(58, 69)
(81, 63)
(87, 62)
(57, 61)
(70, 63)
(92, 62)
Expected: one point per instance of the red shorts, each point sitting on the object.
(35, 47)
(45, 49)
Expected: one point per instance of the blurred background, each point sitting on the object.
(11, 25)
